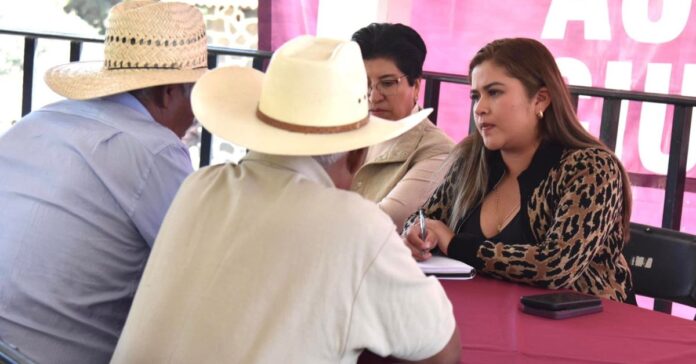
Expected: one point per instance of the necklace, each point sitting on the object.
(500, 222)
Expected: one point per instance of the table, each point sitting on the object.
(494, 330)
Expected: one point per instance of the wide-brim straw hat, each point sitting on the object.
(311, 101)
(148, 43)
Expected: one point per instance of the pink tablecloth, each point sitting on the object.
(493, 330)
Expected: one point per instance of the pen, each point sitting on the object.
(421, 215)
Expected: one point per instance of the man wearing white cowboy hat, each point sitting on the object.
(86, 183)
(271, 261)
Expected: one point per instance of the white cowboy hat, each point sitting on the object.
(148, 43)
(311, 101)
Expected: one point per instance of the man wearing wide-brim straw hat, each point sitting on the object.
(273, 260)
(87, 181)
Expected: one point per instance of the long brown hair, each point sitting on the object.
(532, 64)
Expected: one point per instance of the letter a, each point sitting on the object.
(593, 13)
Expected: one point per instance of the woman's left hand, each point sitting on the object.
(443, 233)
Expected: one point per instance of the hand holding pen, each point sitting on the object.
(415, 238)
(428, 234)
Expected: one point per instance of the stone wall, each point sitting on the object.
(231, 23)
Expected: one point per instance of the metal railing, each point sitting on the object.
(30, 41)
(675, 183)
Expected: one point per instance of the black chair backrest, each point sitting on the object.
(663, 263)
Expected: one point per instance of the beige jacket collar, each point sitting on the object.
(400, 148)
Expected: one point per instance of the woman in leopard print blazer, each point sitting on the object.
(531, 197)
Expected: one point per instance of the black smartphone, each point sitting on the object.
(562, 314)
(560, 301)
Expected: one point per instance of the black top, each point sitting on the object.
(468, 235)
(512, 232)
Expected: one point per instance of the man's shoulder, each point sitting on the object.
(355, 205)
(205, 176)
(110, 119)
(355, 213)
(290, 192)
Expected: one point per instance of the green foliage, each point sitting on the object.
(10, 55)
(93, 12)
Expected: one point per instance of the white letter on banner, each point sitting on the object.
(636, 21)
(576, 73)
(594, 14)
(652, 120)
(619, 78)
(689, 89)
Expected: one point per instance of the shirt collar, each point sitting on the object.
(546, 157)
(306, 166)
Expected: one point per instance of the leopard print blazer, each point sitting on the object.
(574, 209)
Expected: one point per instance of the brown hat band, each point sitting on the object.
(311, 129)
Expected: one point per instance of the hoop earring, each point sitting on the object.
(540, 114)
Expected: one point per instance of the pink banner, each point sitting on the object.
(634, 45)
(290, 18)
(641, 45)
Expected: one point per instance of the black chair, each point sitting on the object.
(9, 354)
(663, 263)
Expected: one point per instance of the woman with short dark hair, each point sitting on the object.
(401, 173)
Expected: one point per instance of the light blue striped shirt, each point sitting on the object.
(84, 186)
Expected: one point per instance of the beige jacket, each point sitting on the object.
(400, 174)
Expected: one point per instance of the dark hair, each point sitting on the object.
(534, 66)
(396, 42)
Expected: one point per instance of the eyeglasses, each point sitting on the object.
(385, 86)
